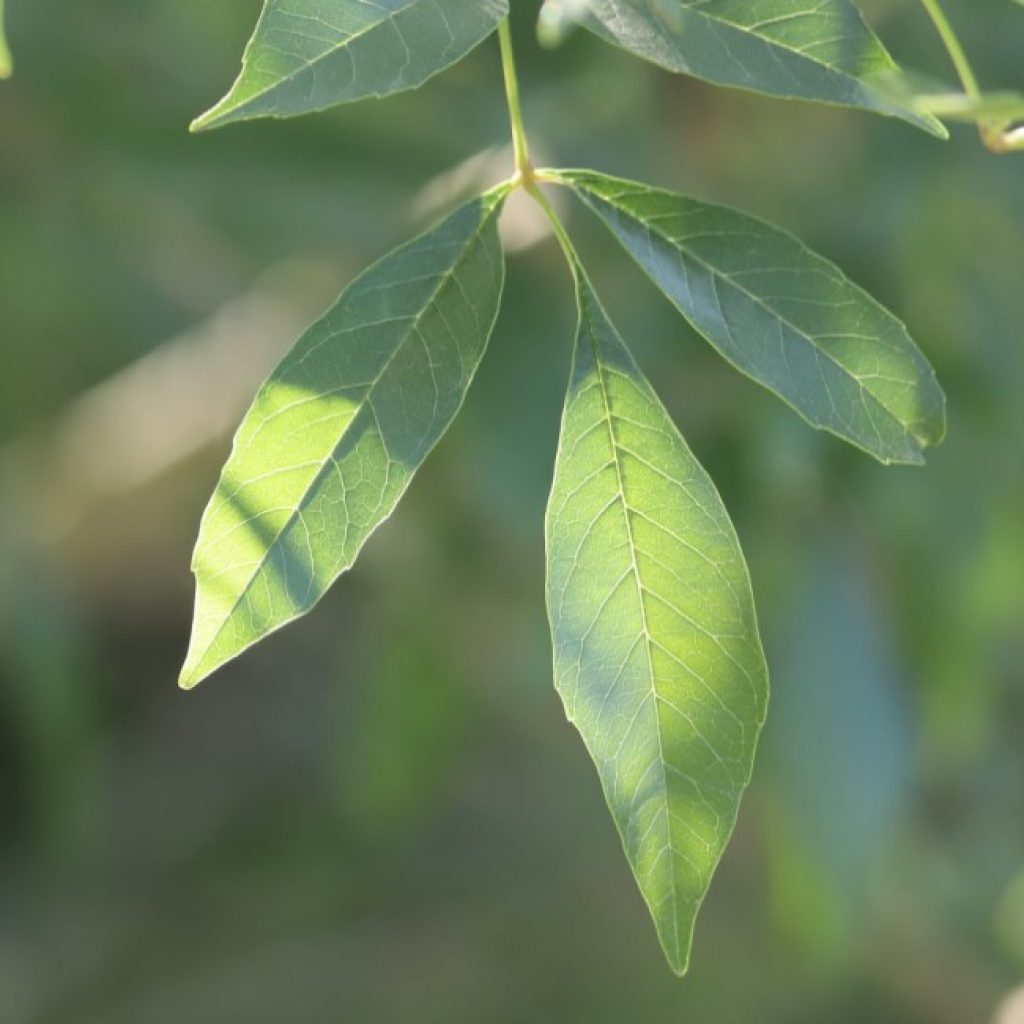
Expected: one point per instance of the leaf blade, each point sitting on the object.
(788, 48)
(657, 656)
(334, 436)
(301, 60)
(779, 313)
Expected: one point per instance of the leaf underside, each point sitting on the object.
(656, 650)
(781, 314)
(336, 433)
(799, 49)
(308, 55)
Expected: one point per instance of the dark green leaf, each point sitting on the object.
(310, 54)
(657, 655)
(780, 313)
(803, 49)
(338, 430)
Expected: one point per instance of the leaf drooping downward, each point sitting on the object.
(656, 649)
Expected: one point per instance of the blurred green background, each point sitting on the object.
(381, 814)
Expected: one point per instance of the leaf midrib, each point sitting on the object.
(585, 310)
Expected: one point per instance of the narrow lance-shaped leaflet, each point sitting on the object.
(656, 649)
(336, 433)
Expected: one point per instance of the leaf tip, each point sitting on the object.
(219, 114)
(204, 122)
(195, 669)
(675, 935)
(916, 118)
(189, 678)
(934, 127)
(679, 965)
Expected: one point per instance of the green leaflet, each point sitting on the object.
(656, 649)
(5, 54)
(337, 431)
(310, 54)
(780, 313)
(802, 49)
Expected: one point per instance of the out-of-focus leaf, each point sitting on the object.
(780, 313)
(338, 430)
(1008, 920)
(819, 50)
(837, 750)
(657, 655)
(407, 726)
(5, 54)
(557, 18)
(308, 54)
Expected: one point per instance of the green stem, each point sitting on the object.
(953, 48)
(525, 176)
(524, 169)
(535, 193)
(515, 113)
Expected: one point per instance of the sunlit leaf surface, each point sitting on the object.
(657, 656)
(338, 430)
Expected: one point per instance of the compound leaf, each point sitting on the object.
(336, 433)
(656, 649)
(820, 50)
(781, 314)
(310, 54)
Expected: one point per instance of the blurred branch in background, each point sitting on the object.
(184, 396)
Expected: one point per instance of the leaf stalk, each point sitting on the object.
(524, 170)
(954, 48)
(998, 137)
(534, 192)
